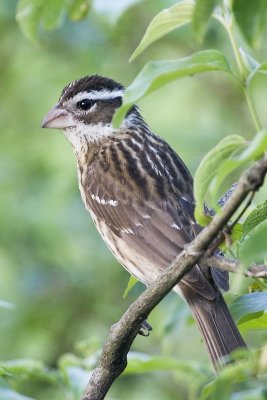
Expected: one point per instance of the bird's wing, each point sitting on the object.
(154, 230)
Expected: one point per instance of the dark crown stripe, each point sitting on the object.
(87, 84)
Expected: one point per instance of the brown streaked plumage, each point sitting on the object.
(140, 196)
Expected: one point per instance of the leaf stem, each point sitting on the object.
(227, 21)
(242, 68)
(252, 108)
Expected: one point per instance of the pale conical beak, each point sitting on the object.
(58, 118)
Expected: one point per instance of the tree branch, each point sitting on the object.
(230, 265)
(113, 359)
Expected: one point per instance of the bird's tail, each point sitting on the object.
(216, 325)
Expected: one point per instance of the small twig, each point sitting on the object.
(240, 215)
(113, 359)
(230, 265)
(225, 233)
(257, 271)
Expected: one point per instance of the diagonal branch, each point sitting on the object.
(113, 359)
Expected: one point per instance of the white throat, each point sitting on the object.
(82, 135)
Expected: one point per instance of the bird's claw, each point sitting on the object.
(145, 328)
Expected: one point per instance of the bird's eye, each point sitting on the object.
(85, 104)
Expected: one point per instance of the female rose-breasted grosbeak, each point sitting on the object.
(140, 196)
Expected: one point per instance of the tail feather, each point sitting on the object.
(216, 325)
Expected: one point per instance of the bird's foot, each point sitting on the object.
(145, 328)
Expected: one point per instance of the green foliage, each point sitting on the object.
(211, 165)
(163, 23)
(8, 394)
(156, 74)
(48, 13)
(232, 154)
(253, 248)
(232, 374)
(257, 216)
(251, 19)
(78, 9)
(258, 69)
(64, 292)
(139, 363)
(131, 283)
(255, 321)
(202, 12)
(248, 304)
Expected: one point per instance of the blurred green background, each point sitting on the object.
(64, 283)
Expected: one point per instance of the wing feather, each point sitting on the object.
(154, 231)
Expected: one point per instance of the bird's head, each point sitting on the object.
(85, 110)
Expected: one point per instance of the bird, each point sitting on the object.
(140, 196)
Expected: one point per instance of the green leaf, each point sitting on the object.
(156, 74)
(4, 372)
(236, 162)
(52, 14)
(88, 347)
(251, 19)
(255, 321)
(202, 12)
(208, 169)
(258, 393)
(254, 148)
(9, 394)
(140, 363)
(253, 248)
(258, 215)
(131, 283)
(248, 304)
(48, 13)
(236, 232)
(220, 387)
(30, 13)
(218, 170)
(165, 22)
(78, 9)
(23, 365)
(67, 360)
(77, 379)
(261, 69)
(112, 10)
(250, 63)
(29, 367)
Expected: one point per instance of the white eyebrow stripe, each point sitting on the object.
(98, 95)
